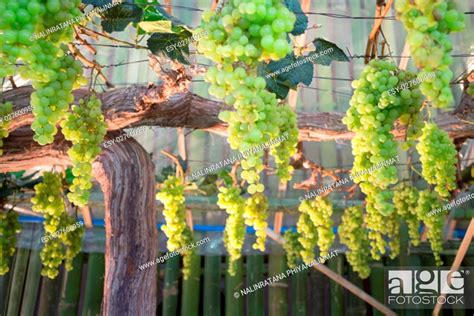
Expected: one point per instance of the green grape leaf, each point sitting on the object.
(321, 57)
(166, 44)
(117, 18)
(286, 74)
(301, 22)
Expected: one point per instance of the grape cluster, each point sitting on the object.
(255, 214)
(438, 158)
(230, 200)
(320, 212)
(53, 74)
(307, 237)
(428, 203)
(174, 210)
(84, 126)
(292, 247)
(9, 227)
(257, 119)
(428, 24)
(247, 31)
(392, 223)
(375, 222)
(405, 200)
(353, 234)
(48, 200)
(53, 95)
(18, 22)
(374, 107)
(5, 109)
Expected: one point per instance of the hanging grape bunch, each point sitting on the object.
(230, 200)
(53, 74)
(438, 158)
(178, 233)
(374, 108)
(427, 211)
(293, 248)
(249, 33)
(307, 237)
(9, 228)
(85, 128)
(405, 201)
(353, 234)
(255, 214)
(428, 24)
(48, 200)
(320, 212)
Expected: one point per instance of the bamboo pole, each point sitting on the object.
(457, 261)
(340, 280)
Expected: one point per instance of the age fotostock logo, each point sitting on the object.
(422, 288)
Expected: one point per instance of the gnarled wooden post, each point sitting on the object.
(126, 175)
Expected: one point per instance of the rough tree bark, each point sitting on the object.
(140, 105)
(126, 175)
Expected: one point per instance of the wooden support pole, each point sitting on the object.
(457, 262)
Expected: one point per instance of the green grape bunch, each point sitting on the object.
(292, 247)
(428, 24)
(257, 119)
(5, 110)
(174, 210)
(9, 228)
(247, 31)
(434, 221)
(43, 60)
(85, 127)
(353, 234)
(308, 237)
(374, 107)
(255, 215)
(230, 200)
(48, 200)
(240, 34)
(438, 158)
(320, 211)
(52, 97)
(405, 201)
(375, 223)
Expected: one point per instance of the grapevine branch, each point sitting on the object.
(151, 106)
